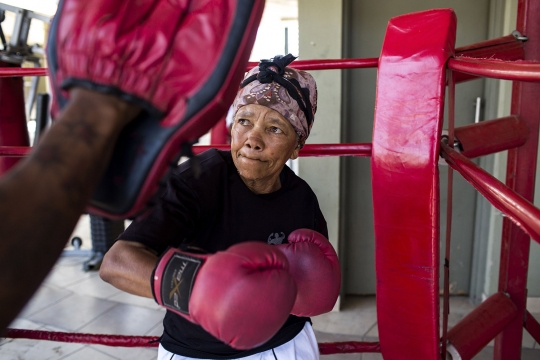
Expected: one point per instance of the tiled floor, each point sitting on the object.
(75, 301)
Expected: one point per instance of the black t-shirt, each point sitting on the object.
(213, 212)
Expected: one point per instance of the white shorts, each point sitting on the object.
(302, 347)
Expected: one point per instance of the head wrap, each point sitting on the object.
(290, 92)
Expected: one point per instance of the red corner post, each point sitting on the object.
(13, 130)
(520, 177)
(408, 119)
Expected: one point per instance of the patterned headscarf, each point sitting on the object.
(290, 92)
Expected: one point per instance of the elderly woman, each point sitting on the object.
(223, 198)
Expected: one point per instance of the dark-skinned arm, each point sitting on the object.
(128, 266)
(42, 198)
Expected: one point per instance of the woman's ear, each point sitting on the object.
(294, 155)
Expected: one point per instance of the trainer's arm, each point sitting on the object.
(128, 266)
(42, 198)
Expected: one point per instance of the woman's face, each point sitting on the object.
(262, 141)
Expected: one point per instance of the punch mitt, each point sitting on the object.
(179, 60)
(314, 265)
(242, 296)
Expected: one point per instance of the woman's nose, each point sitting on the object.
(255, 140)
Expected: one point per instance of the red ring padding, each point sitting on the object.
(408, 121)
(153, 341)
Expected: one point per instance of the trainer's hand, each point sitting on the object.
(314, 265)
(115, 112)
(242, 296)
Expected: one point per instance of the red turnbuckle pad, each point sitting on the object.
(408, 119)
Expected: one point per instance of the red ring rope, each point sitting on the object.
(153, 341)
(16, 72)
(330, 64)
(498, 69)
(327, 64)
(96, 339)
(360, 149)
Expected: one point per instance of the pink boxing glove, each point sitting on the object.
(242, 295)
(314, 265)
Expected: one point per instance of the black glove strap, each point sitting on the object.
(177, 281)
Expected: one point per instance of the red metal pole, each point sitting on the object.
(489, 137)
(520, 177)
(219, 134)
(497, 69)
(513, 205)
(533, 326)
(480, 326)
(13, 130)
(503, 48)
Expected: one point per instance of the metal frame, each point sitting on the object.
(520, 177)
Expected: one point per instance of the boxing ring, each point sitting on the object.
(418, 63)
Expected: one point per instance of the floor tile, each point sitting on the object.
(127, 353)
(70, 261)
(46, 296)
(351, 323)
(327, 337)
(533, 305)
(95, 287)
(342, 357)
(73, 312)
(19, 324)
(526, 354)
(156, 330)
(88, 353)
(461, 304)
(372, 356)
(68, 274)
(23, 349)
(126, 298)
(373, 332)
(125, 320)
(528, 340)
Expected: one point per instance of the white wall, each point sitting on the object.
(320, 34)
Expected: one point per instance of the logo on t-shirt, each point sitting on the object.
(276, 238)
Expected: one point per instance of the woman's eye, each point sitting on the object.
(243, 121)
(275, 130)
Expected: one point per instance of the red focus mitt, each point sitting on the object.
(242, 296)
(314, 265)
(179, 60)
